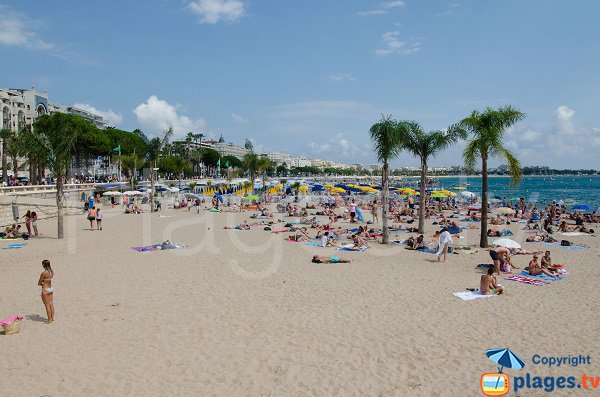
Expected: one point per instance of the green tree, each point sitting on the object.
(487, 130)
(130, 164)
(425, 145)
(386, 141)
(56, 136)
(263, 165)
(248, 145)
(250, 161)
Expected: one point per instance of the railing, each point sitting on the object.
(40, 189)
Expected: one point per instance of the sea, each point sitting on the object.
(539, 189)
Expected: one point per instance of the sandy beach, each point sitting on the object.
(245, 313)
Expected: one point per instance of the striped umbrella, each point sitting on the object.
(505, 358)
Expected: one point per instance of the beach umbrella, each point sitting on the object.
(505, 211)
(113, 193)
(174, 189)
(458, 187)
(505, 358)
(582, 207)
(250, 198)
(506, 242)
(466, 193)
(438, 195)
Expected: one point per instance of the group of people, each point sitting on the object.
(31, 224)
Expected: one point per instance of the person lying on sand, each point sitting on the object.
(487, 284)
(242, 226)
(535, 270)
(523, 251)
(329, 259)
(300, 235)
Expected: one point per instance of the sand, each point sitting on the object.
(245, 313)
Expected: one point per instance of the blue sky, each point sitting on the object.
(310, 77)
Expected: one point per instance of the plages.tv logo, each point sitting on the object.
(498, 383)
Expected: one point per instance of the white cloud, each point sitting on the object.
(213, 11)
(451, 9)
(340, 77)
(394, 45)
(18, 30)
(109, 116)
(564, 118)
(157, 115)
(383, 8)
(238, 119)
(338, 143)
(530, 136)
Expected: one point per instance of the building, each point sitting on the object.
(98, 121)
(301, 161)
(226, 149)
(21, 107)
(279, 159)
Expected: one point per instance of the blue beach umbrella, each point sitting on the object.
(505, 358)
(582, 207)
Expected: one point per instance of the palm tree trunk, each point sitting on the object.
(422, 198)
(384, 202)
(4, 160)
(152, 187)
(483, 241)
(15, 167)
(40, 173)
(60, 197)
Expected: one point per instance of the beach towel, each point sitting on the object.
(277, 231)
(470, 295)
(349, 248)
(144, 248)
(526, 280)
(574, 247)
(313, 243)
(574, 234)
(544, 277)
(359, 215)
(14, 246)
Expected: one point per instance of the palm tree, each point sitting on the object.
(386, 141)
(263, 165)
(487, 130)
(250, 162)
(425, 145)
(55, 137)
(6, 135)
(131, 164)
(155, 147)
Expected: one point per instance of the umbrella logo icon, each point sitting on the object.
(498, 384)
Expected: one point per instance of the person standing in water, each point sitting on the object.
(45, 282)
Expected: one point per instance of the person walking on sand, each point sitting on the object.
(92, 217)
(374, 209)
(444, 241)
(98, 219)
(45, 282)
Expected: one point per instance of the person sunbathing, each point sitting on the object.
(522, 251)
(359, 242)
(488, 285)
(242, 226)
(300, 235)
(329, 259)
(535, 270)
(568, 228)
(546, 263)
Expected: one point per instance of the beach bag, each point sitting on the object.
(566, 243)
(505, 267)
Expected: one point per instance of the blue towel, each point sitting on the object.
(350, 249)
(14, 246)
(574, 247)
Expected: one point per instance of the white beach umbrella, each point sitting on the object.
(467, 194)
(130, 193)
(506, 242)
(174, 189)
(111, 193)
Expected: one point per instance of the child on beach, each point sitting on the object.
(99, 219)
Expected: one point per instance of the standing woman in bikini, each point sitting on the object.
(45, 282)
(27, 217)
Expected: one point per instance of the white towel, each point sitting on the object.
(470, 295)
